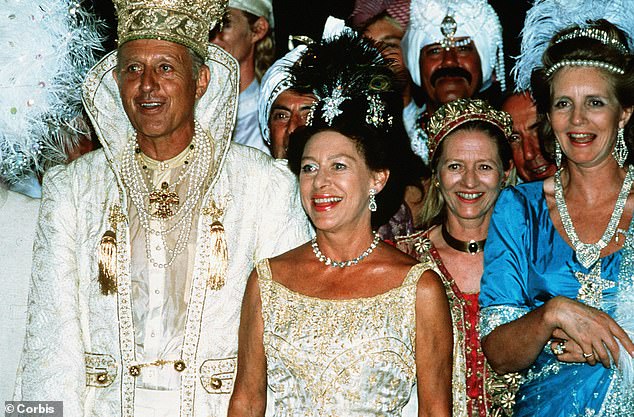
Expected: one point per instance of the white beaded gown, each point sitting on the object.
(339, 357)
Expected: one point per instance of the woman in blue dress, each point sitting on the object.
(551, 281)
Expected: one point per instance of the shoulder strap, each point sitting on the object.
(416, 272)
(263, 269)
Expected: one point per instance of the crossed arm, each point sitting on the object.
(515, 346)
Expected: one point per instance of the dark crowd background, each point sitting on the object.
(307, 17)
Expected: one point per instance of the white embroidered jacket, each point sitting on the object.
(80, 343)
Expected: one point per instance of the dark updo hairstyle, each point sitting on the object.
(584, 48)
(381, 149)
(353, 67)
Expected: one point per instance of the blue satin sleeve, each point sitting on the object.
(526, 261)
(504, 288)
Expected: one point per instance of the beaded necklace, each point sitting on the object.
(142, 193)
(342, 264)
(588, 253)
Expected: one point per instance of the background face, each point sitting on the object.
(527, 156)
(236, 36)
(390, 35)
(288, 112)
(450, 74)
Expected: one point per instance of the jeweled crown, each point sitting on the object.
(186, 22)
(455, 113)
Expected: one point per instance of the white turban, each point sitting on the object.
(474, 18)
(275, 81)
(262, 8)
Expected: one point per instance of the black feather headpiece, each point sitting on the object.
(347, 68)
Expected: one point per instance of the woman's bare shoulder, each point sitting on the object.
(287, 264)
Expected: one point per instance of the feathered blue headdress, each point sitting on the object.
(547, 17)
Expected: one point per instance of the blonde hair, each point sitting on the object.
(433, 210)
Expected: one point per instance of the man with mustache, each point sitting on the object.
(451, 52)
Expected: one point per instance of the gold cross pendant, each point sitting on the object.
(592, 286)
(164, 200)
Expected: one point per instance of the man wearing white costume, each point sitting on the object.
(143, 248)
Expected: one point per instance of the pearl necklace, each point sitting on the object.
(196, 171)
(588, 253)
(342, 264)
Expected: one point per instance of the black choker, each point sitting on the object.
(472, 246)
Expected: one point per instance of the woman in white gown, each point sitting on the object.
(345, 325)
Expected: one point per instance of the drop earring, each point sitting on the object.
(620, 148)
(372, 206)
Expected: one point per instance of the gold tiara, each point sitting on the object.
(455, 113)
(186, 22)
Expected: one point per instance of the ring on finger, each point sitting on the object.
(588, 355)
(559, 348)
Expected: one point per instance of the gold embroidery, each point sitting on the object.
(164, 200)
(116, 216)
(340, 353)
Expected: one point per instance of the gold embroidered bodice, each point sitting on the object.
(339, 357)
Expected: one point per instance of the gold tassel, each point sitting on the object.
(108, 263)
(219, 258)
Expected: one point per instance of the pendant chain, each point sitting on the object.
(588, 253)
(141, 189)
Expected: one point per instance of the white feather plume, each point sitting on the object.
(547, 17)
(46, 48)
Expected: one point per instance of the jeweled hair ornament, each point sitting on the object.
(456, 113)
(346, 67)
(186, 22)
(376, 114)
(597, 34)
(330, 103)
(583, 63)
(548, 17)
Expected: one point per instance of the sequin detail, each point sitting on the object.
(492, 317)
(339, 357)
